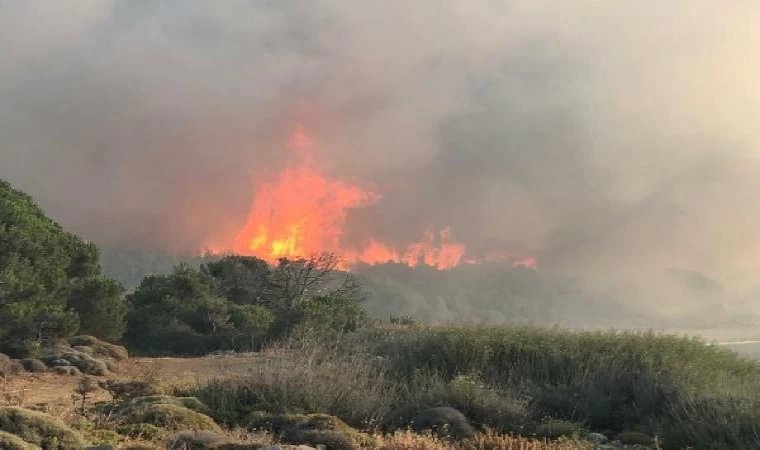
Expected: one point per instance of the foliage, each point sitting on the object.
(236, 303)
(554, 428)
(33, 365)
(99, 348)
(43, 271)
(100, 304)
(443, 421)
(173, 413)
(39, 429)
(311, 429)
(9, 366)
(239, 279)
(84, 388)
(10, 441)
(174, 313)
(331, 314)
(295, 377)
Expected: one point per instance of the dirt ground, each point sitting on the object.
(56, 390)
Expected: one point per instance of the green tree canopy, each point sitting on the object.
(43, 271)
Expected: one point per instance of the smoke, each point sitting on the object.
(601, 137)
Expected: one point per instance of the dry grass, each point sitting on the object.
(302, 377)
(406, 440)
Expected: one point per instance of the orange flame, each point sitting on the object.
(300, 212)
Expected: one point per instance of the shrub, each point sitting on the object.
(199, 440)
(167, 415)
(127, 390)
(33, 365)
(334, 440)
(303, 377)
(85, 363)
(9, 366)
(185, 402)
(502, 409)
(66, 370)
(312, 429)
(39, 429)
(553, 429)
(100, 348)
(607, 380)
(331, 314)
(634, 438)
(443, 421)
(10, 441)
(144, 431)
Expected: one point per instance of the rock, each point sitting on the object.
(596, 438)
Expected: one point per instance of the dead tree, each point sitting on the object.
(296, 281)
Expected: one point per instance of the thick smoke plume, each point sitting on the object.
(601, 137)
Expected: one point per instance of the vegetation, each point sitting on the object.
(546, 383)
(328, 375)
(50, 280)
(238, 303)
(39, 429)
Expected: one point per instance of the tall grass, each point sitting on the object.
(303, 376)
(509, 379)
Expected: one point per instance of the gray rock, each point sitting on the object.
(596, 438)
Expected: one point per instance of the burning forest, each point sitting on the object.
(300, 211)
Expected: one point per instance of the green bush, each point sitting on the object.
(310, 429)
(33, 365)
(553, 429)
(500, 409)
(199, 440)
(10, 441)
(634, 438)
(177, 413)
(180, 313)
(145, 431)
(607, 380)
(331, 314)
(100, 348)
(39, 429)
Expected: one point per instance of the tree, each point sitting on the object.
(165, 309)
(332, 314)
(180, 313)
(101, 307)
(41, 266)
(295, 282)
(240, 279)
(252, 324)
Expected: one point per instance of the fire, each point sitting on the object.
(300, 212)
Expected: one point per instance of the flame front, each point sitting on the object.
(300, 212)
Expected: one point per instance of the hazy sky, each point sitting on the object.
(594, 134)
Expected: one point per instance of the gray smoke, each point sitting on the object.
(602, 137)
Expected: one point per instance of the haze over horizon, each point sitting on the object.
(603, 139)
